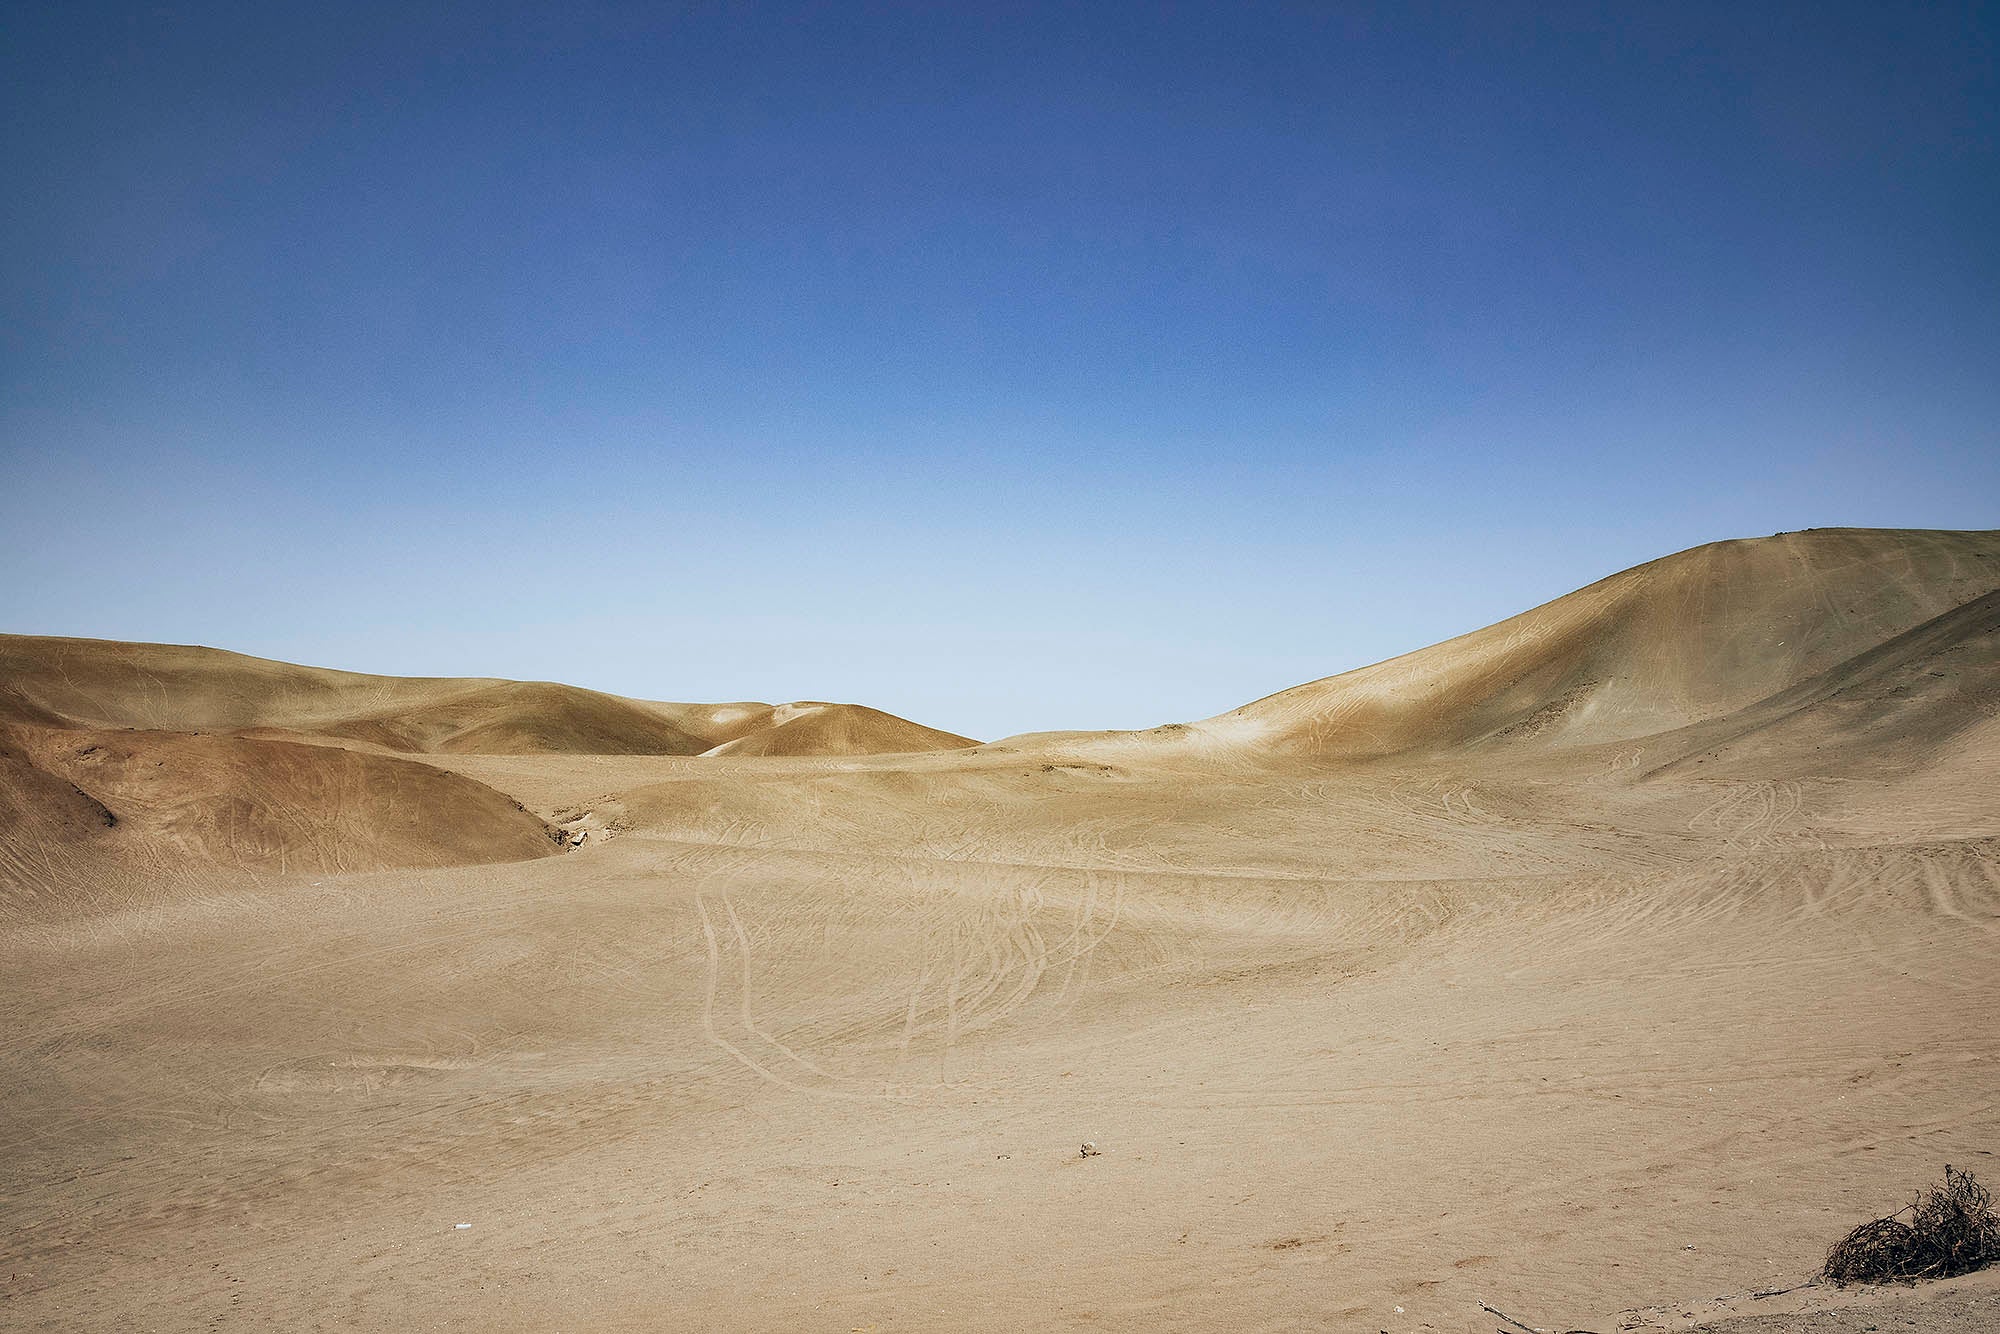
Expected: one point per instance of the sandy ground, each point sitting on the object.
(811, 1043)
(1969, 1303)
(1457, 1038)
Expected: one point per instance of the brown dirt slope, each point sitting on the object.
(523, 718)
(186, 688)
(170, 798)
(1677, 641)
(41, 808)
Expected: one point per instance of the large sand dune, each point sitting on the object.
(1931, 689)
(1601, 966)
(1673, 642)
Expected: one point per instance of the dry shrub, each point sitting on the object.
(1952, 1230)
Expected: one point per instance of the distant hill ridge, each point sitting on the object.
(1829, 652)
(170, 687)
(170, 754)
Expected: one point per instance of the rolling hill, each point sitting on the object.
(178, 755)
(1599, 967)
(180, 688)
(1675, 642)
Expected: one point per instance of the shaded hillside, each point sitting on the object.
(1677, 641)
(1885, 710)
(39, 810)
(172, 797)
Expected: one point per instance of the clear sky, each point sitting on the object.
(1007, 367)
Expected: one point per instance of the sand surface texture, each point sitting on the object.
(1602, 966)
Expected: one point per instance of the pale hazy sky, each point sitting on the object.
(1003, 366)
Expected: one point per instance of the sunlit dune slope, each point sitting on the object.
(838, 729)
(713, 724)
(1675, 642)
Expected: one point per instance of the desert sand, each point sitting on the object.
(1601, 966)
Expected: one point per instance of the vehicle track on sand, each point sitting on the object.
(978, 959)
(1755, 817)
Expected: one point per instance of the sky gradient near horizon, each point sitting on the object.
(1008, 367)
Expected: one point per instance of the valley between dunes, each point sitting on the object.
(1602, 966)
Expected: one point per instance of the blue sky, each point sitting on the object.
(1008, 367)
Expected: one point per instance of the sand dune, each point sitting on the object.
(522, 718)
(1679, 640)
(1888, 710)
(193, 754)
(102, 683)
(1601, 966)
(713, 724)
(161, 799)
(182, 688)
(838, 729)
